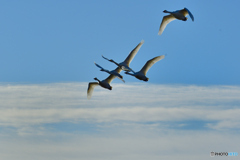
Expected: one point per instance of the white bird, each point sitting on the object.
(141, 75)
(104, 83)
(178, 14)
(125, 64)
(114, 72)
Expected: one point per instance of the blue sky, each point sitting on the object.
(52, 41)
(188, 108)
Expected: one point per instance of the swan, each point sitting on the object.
(178, 14)
(111, 72)
(125, 64)
(141, 75)
(104, 83)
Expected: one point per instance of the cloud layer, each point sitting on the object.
(140, 120)
(51, 103)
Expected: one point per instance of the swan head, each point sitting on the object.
(96, 79)
(165, 11)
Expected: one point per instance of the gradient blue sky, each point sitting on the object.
(58, 41)
(189, 107)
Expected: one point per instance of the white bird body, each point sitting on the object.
(104, 83)
(125, 64)
(114, 72)
(141, 75)
(125, 67)
(178, 14)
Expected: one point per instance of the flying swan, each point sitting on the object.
(178, 14)
(114, 72)
(125, 64)
(141, 75)
(104, 83)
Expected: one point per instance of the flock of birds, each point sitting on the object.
(141, 75)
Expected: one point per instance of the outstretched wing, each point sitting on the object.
(90, 89)
(133, 53)
(149, 64)
(185, 12)
(98, 66)
(166, 19)
(111, 77)
(119, 76)
(190, 14)
(105, 58)
(120, 79)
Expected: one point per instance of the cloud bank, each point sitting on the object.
(136, 120)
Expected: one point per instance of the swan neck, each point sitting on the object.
(165, 11)
(97, 79)
(116, 63)
(129, 73)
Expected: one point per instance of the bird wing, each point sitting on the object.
(119, 76)
(185, 12)
(105, 58)
(111, 77)
(190, 14)
(149, 64)
(90, 89)
(133, 53)
(120, 79)
(98, 66)
(166, 19)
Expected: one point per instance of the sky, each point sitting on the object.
(189, 107)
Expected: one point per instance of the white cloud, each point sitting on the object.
(133, 121)
(51, 103)
(131, 143)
